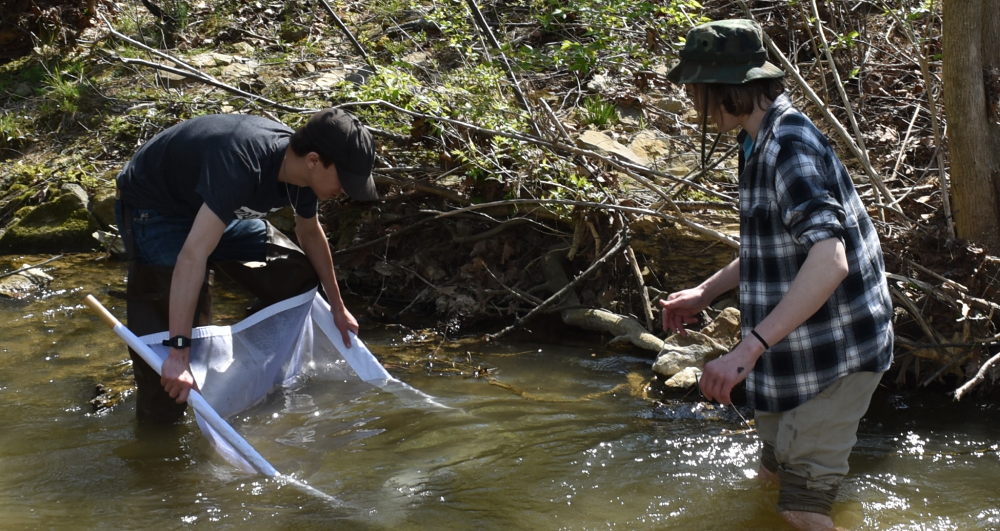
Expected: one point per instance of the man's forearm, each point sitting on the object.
(185, 286)
(317, 249)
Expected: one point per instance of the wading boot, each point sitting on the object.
(286, 273)
(148, 311)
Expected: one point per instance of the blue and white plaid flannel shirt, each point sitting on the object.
(795, 192)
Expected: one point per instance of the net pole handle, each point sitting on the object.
(195, 399)
(101, 311)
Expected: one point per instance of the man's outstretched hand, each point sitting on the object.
(345, 321)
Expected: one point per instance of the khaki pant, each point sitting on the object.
(808, 447)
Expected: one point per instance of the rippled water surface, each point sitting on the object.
(544, 446)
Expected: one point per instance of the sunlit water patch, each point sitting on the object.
(550, 438)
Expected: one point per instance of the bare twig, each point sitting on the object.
(843, 94)
(343, 27)
(208, 80)
(190, 71)
(484, 27)
(557, 296)
(978, 379)
(945, 367)
(938, 133)
(643, 294)
(837, 126)
(23, 269)
(632, 170)
(915, 313)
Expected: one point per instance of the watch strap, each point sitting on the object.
(177, 342)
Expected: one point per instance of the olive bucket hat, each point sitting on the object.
(726, 51)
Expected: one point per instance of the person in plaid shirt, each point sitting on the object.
(815, 307)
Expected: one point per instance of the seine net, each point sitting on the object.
(278, 347)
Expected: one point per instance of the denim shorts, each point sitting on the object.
(158, 238)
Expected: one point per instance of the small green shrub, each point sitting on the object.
(598, 111)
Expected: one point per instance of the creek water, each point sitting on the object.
(548, 448)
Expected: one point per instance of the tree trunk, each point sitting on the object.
(971, 43)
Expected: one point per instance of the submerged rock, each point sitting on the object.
(23, 282)
(684, 379)
(681, 410)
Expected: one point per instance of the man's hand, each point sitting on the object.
(345, 321)
(176, 377)
(722, 374)
(682, 308)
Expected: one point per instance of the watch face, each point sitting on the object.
(177, 342)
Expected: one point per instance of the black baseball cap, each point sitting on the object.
(339, 137)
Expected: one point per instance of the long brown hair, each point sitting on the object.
(738, 100)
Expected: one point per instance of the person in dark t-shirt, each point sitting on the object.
(196, 194)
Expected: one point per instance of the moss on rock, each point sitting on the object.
(54, 227)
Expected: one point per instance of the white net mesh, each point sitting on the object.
(280, 346)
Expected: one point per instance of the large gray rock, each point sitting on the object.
(691, 350)
(76, 191)
(103, 208)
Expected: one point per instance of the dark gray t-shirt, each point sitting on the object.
(229, 162)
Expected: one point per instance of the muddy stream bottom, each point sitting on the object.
(547, 448)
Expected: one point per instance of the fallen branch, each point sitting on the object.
(502, 226)
(724, 238)
(949, 294)
(568, 288)
(978, 379)
(630, 169)
(23, 269)
(343, 27)
(837, 126)
(619, 325)
(426, 188)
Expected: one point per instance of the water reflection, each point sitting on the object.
(556, 441)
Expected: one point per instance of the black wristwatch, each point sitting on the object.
(177, 342)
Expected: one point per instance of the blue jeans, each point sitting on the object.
(158, 238)
(156, 241)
